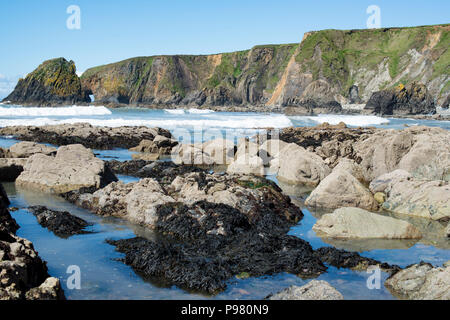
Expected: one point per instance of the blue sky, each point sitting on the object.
(35, 30)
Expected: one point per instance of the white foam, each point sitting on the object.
(234, 122)
(174, 111)
(351, 120)
(53, 112)
(199, 111)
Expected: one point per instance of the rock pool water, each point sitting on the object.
(103, 277)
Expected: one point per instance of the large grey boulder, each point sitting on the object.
(422, 151)
(74, 167)
(421, 282)
(342, 189)
(313, 290)
(300, 166)
(26, 149)
(247, 165)
(358, 223)
(408, 195)
(220, 150)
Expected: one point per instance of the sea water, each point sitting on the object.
(104, 277)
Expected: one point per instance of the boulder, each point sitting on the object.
(189, 154)
(159, 145)
(299, 166)
(26, 149)
(50, 289)
(272, 147)
(136, 202)
(402, 100)
(408, 195)
(422, 151)
(421, 282)
(447, 230)
(247, 165)
(358, 223)
(313, 290)
(246, 148)
(342, 189)
(383, 182)
(221, 151)
(72, 168)
(427, 199)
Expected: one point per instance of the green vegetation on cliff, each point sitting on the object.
(284, 74)
(53, 82)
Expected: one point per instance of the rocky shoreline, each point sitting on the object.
(214, 225)
(23, 275)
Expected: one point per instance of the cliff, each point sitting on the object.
(54, 82)
(327, 68)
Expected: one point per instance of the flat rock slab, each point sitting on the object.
(358, 223)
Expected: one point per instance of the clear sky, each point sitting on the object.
(111, 30)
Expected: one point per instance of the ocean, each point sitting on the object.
(104, 277)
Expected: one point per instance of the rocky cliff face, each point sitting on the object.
(54, 82)
(326, 69)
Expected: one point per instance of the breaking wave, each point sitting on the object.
(53, 112)
(234, 122)
(350, 120)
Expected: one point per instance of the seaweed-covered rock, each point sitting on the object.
(206, 244)
(350, 260)
(61, 223)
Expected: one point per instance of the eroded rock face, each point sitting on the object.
(94, 137)
(54, 82)
(412, 99)
(22, 272)
(421, 282)
(330, 142)
(313, 290)
(300, 166)
(342, 189)
(72, 168)
(357, 223)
